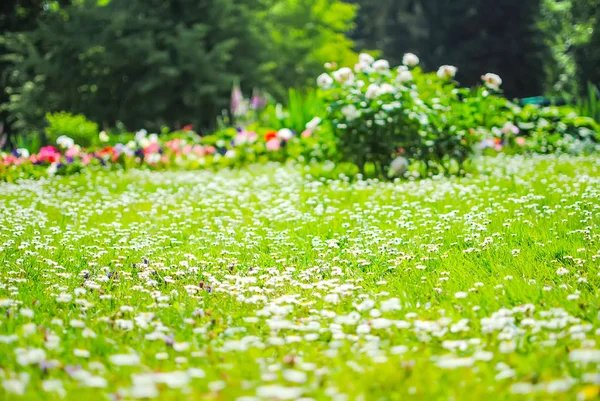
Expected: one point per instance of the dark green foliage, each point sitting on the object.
(587, 55)
(16, 16)
(589, 104)
(144, 63)
(477, 36)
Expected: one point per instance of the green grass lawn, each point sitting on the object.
(264, 284)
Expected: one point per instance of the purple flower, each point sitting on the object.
(487, 143)
(258, 101)
(236, 98)
(121, 148)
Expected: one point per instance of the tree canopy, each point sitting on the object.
(151, 62)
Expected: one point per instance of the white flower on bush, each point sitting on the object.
(381, 65)
(372, 91)
(492, 81)
(410, 60)
(343, 75)
(398, 167)
(141, 134)
(103, 136)
(385, 89)
(362, 67)
(365, 58)
(350, 112)
(65, 142)
(22, 152)
(324, 81)
(285, 134)
(391, 106)
(313, 124)
(447, 71)
(404, 75)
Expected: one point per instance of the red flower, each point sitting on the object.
(188, 127)
(270, 135)
(49, 154)
(107, 153)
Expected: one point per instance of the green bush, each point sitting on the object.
(535, 129)
(77, 127)
(552, 129)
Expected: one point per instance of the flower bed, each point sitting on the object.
(184, 150)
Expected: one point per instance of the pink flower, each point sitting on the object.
(274, 144)
(244, 137)
(10, 159)
(240, 139)
(236, 99)
(252, 136)
(187, 149)
(498, 147)
(73, 151)
(520, 140)
(49, 154)
(174, 144)
(153, 147)
(199, 150)
(86, 159)
(210, 150)
(510, 128)
(306, 133)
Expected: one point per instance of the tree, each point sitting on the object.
(152, 62)
(568, 26)
(477, 36)
(587, 52)
(303, 36)
(16, 16)
(144, 63)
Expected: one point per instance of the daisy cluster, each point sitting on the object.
(264, 284)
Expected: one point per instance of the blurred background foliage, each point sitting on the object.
(151, 63)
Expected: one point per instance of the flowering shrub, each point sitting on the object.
(378, 113)
(391, 118)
